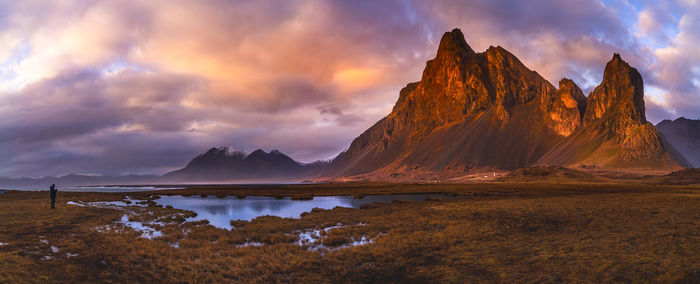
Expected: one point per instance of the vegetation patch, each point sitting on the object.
(507, 232)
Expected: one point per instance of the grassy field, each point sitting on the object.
(504, 232)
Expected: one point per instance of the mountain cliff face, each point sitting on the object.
(683, 137)
(475, 111)
(614, 132)
(469, 111)
(227, 163)
(479, 111)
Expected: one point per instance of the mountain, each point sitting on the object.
(615, 132)
(683, 137)
(227, 163)
(470, 111)
(75, 180)
(215, 165)
(478, 111)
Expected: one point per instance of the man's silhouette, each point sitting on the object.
(52, 193)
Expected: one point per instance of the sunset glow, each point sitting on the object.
(121, 86)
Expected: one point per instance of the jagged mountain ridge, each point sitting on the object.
(486, 110)
(615, 132)
(227, 163)
(469, 111)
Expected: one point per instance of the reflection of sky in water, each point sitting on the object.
(220, 211)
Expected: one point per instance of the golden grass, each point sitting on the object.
(504, 233)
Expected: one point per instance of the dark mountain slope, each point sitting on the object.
(683, 136)
(226, 163)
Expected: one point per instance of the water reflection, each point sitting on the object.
(220, 211)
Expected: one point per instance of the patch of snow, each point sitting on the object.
(43, 240)
(313, 237)
(363, 241)
(69, 255)
(250, 244)
(54, 249)
(2, 244)
(146, 232)
(175, 245)
(75, 203)
(103, 229)
(47, 257)
(228, 151)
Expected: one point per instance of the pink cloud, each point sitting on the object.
(83, 80)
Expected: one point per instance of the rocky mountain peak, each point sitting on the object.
(488, 110)
(617, 107)
(452, 43)
(617, 57)
(224, 151)
(619, 99)
(491, 95)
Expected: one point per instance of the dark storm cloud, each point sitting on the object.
(84, 102)
(87, 121)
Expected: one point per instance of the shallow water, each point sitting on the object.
(220, 211)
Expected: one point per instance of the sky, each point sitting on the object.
(117, 87)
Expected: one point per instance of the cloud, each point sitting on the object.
(558, 39)
(120, 86)
(677, 66)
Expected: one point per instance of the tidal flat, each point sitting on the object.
(498, 232)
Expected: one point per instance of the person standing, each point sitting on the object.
(52, 193)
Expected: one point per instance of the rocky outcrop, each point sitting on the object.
(618, 102)
(614, 131)
(473, 111)
(567, 109)
(469, 111)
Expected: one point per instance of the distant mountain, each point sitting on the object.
(75, 180)
(227, 163)
(479, 111)
(683, 135)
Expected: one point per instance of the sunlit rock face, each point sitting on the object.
(614, 132)
(617, 104)
(459, 82)
(619, 99)
(473, 111)
(566, 112)
(469, 111)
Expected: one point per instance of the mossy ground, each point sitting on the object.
(502, 233)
